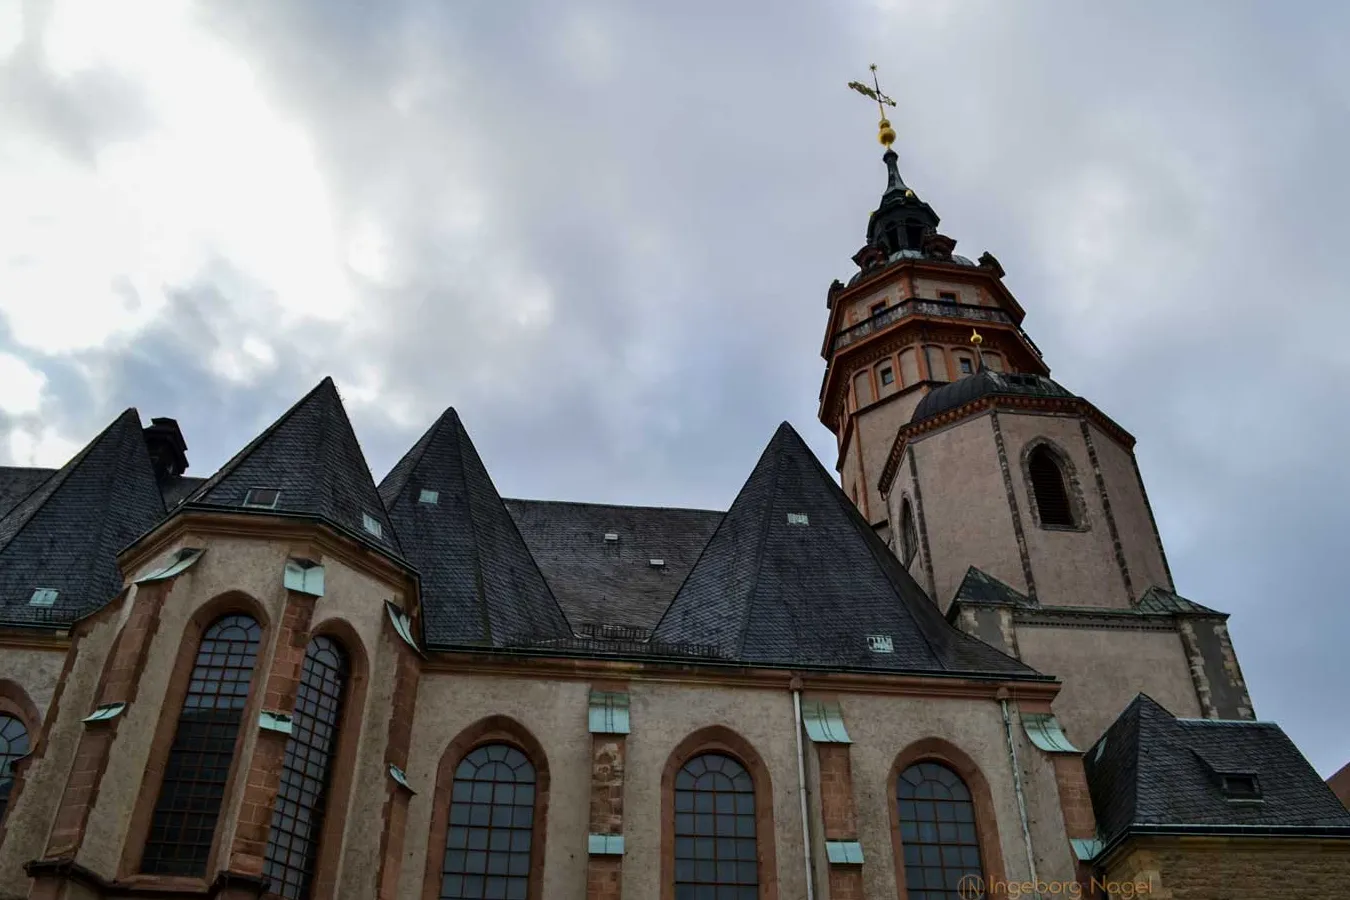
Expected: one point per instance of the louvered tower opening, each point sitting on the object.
(1047, 482)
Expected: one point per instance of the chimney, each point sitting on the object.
(168, 450)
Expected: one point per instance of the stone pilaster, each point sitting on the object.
(249, 847)
(407, 675)
(604, 873)
(839, 816)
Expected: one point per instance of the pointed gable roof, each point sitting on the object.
(793, 575)
(65, 534)
(1151, 769)
(480, 585)
(312, 457)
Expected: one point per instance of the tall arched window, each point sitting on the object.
(937, 831)
(1047, 483)
(715, 853)
(14, 745)
(297, 821)
(489, 837)
(909, 535)
(183, 824)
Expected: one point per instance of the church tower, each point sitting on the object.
(1018, 505)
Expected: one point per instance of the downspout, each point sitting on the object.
(797, 724)
(1017, 786)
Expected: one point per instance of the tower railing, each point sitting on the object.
(914, 306)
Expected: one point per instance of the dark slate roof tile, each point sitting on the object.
(1158, 600)
(774, 591)
(1151, 768)
(612, 583)
(66, 533)
(312, 457)
(480, 585)
(17, 482)
(981, 587)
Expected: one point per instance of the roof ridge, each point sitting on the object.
(235, 461)
(414, 457)
(697, 509)
(53, 483)
(760, 544)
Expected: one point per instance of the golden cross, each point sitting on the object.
(886, 134)
(873, 92)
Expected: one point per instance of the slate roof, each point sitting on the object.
(480, 585)
(982, 383)
(1153, 769)
(613, 583)
(1158, 600)
(17, 482)
(981, 587)
(312, 457)
(65, 533)
(772, 591)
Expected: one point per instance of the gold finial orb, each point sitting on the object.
(975, 337)
(886, 133)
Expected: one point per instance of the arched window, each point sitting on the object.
(715, 853)
(489, 837)
(183, 824)
(937, 831)
(297, 821)
(1047, 483)
(13, 747)
(909, 535)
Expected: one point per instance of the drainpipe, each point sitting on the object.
(1017, 785)
(797, 724)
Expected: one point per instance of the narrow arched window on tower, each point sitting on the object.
(1049, 488)
(909, 538)
(894, 245)
(297, 822)
(914, 234)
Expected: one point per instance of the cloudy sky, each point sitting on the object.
(604, 232)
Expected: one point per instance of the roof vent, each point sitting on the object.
(430, 497)
(798, 519)
(657, 563)
(610, 537)
(371, 525)
(44, 597)
(1240, 786)
(262, 498)
(880, 643)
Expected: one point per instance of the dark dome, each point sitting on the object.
(982, 383)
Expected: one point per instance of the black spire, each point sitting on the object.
(902, 221)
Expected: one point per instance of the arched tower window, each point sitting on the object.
(297, 822)
(1048, 485)
(183, 824)
(488, 842)
(715, 853)
(14, 745)
(914, 234)
(937, 831)
(893, 239)
(909, 535)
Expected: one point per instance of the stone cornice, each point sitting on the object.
(1026, 403)
(317, 533)
(490, 664)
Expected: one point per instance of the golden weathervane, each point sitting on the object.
(885, 134)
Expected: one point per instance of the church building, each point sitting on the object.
(957, 667)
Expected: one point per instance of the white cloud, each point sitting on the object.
(20, 386)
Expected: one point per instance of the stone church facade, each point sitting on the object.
(961, 668)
